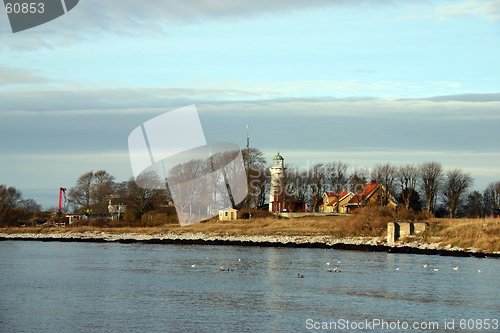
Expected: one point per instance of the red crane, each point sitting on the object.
(62, 191)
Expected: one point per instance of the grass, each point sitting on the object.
(466, 233)
(369, 222)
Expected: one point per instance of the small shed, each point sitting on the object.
(228, 214)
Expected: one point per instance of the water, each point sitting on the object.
(95, 287)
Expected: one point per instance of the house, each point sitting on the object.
(228, 214)
(373, 194)
(279, 205)
(117, 206)
(329, 204)
(75, 218)
(496, 213)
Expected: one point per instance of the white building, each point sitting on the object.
(277, 172)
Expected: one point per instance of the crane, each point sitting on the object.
(62, 191)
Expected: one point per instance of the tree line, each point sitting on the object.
(14, 210)
(424, 186)
(93, 191)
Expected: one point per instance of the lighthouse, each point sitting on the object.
(277, 173)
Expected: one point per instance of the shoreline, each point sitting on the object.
(367, 244)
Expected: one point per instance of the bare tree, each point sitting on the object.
(385, 174)
(92, 191)
(358, 179)
(407, 176)
(102, 188)
(294, 186)
(456, 184)
(30, 206)
(9, 197)
(493, 191)
(143, 199)
(475, 207)
(258, 187)
(12, 210)
(316, 184)
(337, 177)
(301, 185)
(430, 179)
(81, 194)
(192, 191)
(255, 166)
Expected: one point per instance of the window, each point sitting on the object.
(225, 214)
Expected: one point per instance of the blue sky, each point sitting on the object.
(365, 82)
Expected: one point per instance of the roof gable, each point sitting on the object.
(364, 194)
(341, 197)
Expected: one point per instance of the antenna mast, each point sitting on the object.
(248, 164)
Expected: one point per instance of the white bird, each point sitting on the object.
(397, 268)
(193, 265)
(455, 268)
(239, 259)
(424, 266)
(435, 269)
(479, 271)
(328, 263)
(338, 262)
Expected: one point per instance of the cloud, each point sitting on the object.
(10, 76)
(489, 10)
(45, 95)
(492, 97)
(77, 98)
(93, 18)
(413, 13)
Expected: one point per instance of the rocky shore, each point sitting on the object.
(373, 244)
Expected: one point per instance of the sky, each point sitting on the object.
(364, 82)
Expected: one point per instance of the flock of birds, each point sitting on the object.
(335, 270)
(437, 269)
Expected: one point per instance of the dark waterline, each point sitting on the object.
(336, 246)
(114, 287)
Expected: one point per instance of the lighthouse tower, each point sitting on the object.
(277, 172)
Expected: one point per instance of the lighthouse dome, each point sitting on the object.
(278, 157)
(278, 161)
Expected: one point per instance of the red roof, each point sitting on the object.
(364, 193)
(341, 196)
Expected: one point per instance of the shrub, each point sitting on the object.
(255, 213)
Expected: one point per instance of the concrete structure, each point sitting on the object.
(277, 173)
(419, 227)
(395, 230)
(228, 214)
